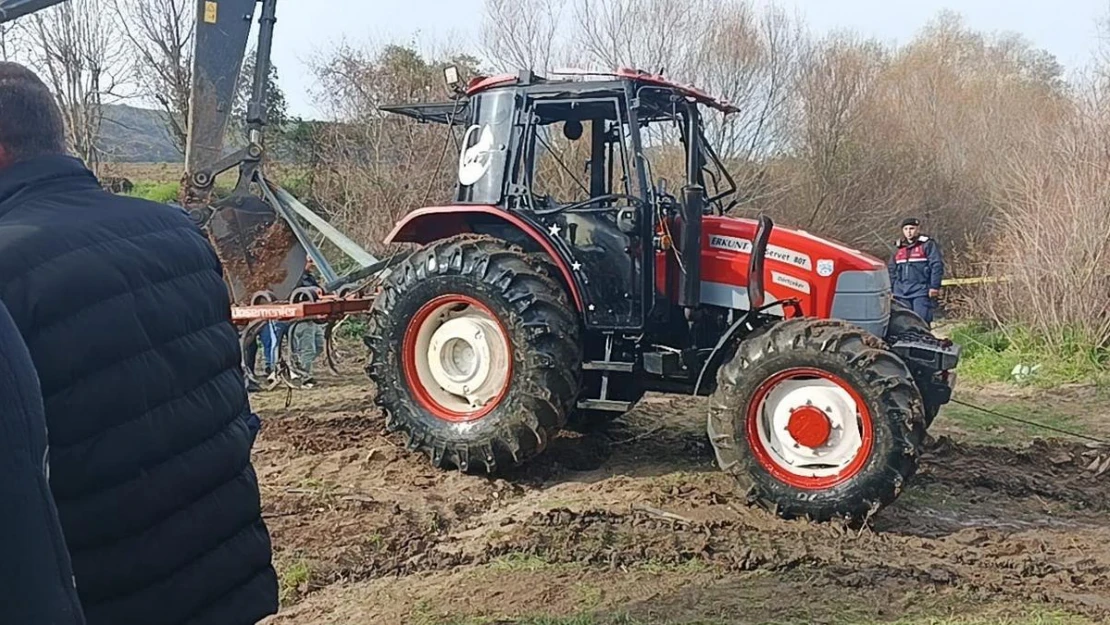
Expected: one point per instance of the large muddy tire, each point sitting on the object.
(475, 353)
(817, 419)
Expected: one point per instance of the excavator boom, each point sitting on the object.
(262, 251)
(222, 31)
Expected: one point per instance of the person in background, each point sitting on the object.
(916, 270)
(123, 307)
(270, 336)
(307, 336)
(36, 579)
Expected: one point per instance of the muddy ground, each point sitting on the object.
(634, 524)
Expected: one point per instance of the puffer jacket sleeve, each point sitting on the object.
(36, 579)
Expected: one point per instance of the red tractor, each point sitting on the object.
(521, 312)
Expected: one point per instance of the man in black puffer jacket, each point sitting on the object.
(122, 305)
(36, 579)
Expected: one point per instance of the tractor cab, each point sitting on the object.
(612, 169)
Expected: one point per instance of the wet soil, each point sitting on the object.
(634, 519)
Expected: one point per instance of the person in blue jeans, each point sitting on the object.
(916, 270)
(271, 335)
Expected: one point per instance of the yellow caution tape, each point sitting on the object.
(967, 281)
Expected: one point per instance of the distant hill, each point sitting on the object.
(130, 134)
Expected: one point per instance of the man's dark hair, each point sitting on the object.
(30, 121)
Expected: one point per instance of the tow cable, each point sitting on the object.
(1032, 423)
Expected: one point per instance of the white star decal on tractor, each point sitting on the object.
(554, 230)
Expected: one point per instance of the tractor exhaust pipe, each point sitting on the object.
(693, 203)
(758, 259)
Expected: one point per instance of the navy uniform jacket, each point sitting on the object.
(916, 267)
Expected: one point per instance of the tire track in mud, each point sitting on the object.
(1003, 524)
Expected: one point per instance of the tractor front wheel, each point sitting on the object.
(817, 419)
(474, 352)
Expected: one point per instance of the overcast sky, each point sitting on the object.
(1065, 28)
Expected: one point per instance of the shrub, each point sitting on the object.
(992, 352)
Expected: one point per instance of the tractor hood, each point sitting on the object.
(827, 278)
(14, 9)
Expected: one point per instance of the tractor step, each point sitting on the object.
(608, 365)
(665, 364)
(607, 405)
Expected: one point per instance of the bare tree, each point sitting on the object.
(522, 34)
(370, 167)
(160, 36)
(79, 53)
(6, 35)
(658, 36)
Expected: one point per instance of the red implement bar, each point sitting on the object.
(322, 309)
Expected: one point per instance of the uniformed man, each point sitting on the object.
(916, 270)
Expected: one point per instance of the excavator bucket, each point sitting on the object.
(259, 250)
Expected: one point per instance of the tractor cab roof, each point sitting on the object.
(585, 85)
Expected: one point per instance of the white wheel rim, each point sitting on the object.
(801, 457)
(461, 357)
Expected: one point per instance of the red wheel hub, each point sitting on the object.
(809, 426)
(813, 429)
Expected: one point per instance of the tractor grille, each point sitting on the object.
(863, 298)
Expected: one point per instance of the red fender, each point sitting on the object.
(433, 223)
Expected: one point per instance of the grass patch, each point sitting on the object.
(294, 580)
(161, 192)
(991, 353)
(985, 428)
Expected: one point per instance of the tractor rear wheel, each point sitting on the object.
(817, 419)
(475, 353)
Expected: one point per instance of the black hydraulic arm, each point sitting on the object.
(223, 28)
